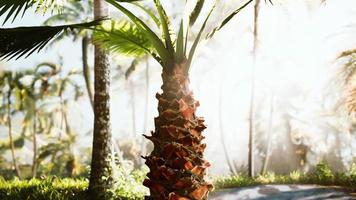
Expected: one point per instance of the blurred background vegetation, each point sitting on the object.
(304, 97)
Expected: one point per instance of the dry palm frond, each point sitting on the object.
(351, 100)
(348, 73)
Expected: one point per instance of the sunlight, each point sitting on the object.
(130, 122)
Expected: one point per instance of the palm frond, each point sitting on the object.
(125, 38)
(197, 40)
(73, 12)
(348, 71)
(15, 7)
(150, 13)
(163, 53)
(347, 53)
(196, 12)
(23, 41)
(165, 26)
(227, 19)
(347, 76)
(180, 55)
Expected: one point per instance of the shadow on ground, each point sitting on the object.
(284, 192)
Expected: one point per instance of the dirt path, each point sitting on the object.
(283, 192)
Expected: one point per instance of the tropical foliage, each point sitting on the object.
(39, 99)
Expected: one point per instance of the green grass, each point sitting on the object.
(57, 189)
(54, 189)
(322, 175)
(128, 186)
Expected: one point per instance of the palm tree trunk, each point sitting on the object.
(11, 140)
(86, 70)
(251, 160)
(269, 135)
(177, 166)
(34, 142)
(101, 165)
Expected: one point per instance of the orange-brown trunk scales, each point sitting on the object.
(177, 166)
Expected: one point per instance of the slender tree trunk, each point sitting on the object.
(86, 70)
(133, 108)
(269, 135)
(34, 142)
(147, 77)
(177, 166)
(251, 160)
(227, 157)
(11, 140)
(101, 165)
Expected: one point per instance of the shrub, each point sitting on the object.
(323, 173)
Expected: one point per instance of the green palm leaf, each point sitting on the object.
(227, 19)
(167, 60)
(166, 27)
(18, 42)
(196, 12)
(197, 39)
(14, 7)
(125, 38)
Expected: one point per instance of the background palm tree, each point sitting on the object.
(7, 79)
(18, 42)
(348, 74)
(76, 12)
(30, 101)
(101, 165)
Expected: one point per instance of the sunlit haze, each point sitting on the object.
(297, 87)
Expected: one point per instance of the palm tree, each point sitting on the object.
(76, 12)
(177, 166)
(18, 42)
(7, 78)
(251, 160)
(101, 165)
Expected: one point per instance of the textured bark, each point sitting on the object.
(177, 166)
(101, 169)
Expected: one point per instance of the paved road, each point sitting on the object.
(283, 192)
